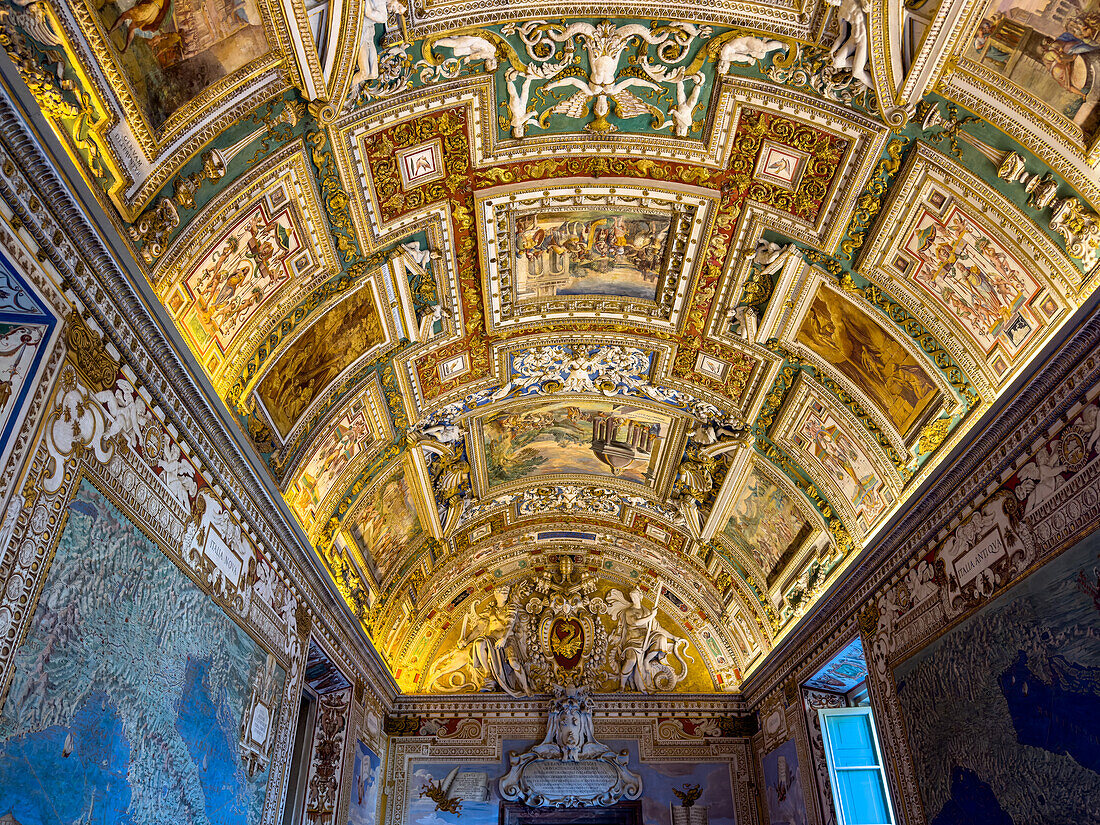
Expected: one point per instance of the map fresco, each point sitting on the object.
(593, 437)
(590, 253)
(364, 786)
(1050, 49)
(1003, 711)
(766, 522)
(129, 690)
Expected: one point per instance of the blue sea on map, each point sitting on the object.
(1003, 712)
(129, 690)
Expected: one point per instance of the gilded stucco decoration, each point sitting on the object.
(586, 351)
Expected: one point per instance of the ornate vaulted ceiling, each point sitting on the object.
(554, 313)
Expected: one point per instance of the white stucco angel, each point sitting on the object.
(519, 93)
(127, 415)
(849, 50)
(746, 50)
(643, 646)
(681, 114)
(1041, 477)
(177, 474)
(375, 13)
(489, 649)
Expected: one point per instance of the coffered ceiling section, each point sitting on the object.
(590, 350)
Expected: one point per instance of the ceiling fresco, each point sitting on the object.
(590, 350)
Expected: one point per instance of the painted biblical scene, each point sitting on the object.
(584, 252)
(171, 51)
(767, 523)
(387, 526)
(365, 780)
(342, 442)
(1003, 711)
(861, 349)
(976, 281)
(844, 461)
(786, 803)
(334, 342)
(667, 786)
(593, 437)
(244, 268)
(1048, 48)
(135, 698)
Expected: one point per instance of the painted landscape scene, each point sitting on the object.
(766, 523)
(388, 527)
(593, 437)
(590, 253)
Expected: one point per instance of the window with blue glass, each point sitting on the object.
(855, 767)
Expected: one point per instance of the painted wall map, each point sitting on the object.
(226, 288)
(766, 523)
(976, 281)
(589, 253)
(858, 346)
(318, 356)
(131, 690)
(1050, 49)
(476, 785)
(387, 526)
(593, 437)
(1003, 712)
(365, 779)
(786, 803)
(171, 52)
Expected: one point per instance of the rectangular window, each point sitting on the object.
(855, 767)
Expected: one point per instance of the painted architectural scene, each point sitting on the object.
(171, 51)
(590, 253)
(1003, 712)
(565, 437)
(861, 349)
(766, 523)
(783, 787)
(1049, 49)
(387, 528)
(132, 691)
(974, 279)
(366, 778)
(845, 463)
(309, 365)
(227, 287)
